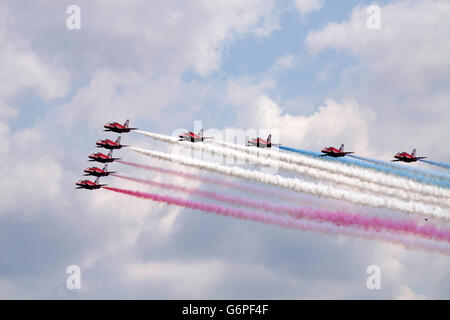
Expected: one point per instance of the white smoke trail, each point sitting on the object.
(362, 174)
(301, 186)
(307, 171)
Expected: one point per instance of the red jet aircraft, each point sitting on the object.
(100, 157)
(261, 143)
(406, 157)
(97, 172)
(108, 144)
(335, 153)
(88, 184)
(192, 137)
(117, 127)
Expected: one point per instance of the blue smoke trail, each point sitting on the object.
(305, 152)
(436, 174)
(374, 166)
(439, 164)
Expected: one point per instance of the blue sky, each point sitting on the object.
(305, 69)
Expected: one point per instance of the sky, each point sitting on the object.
(310, 71)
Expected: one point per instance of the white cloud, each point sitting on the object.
(406, 293)
(282, 64)
(307, 6)
(25, 70)
(329, 124)
(21, 68)
(400, 72)
(174, 36)
(182, 279)
(158, 43)
(409, 52)
(30, 173)
(23, 165)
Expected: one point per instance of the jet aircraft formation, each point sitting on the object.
(103, 158)
(191, 137)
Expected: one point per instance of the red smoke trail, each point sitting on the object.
(287, 222)
(337, 218)
(220, 182)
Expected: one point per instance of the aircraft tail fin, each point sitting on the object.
(118, 140)
(269, 138)
(105, 168)
(341, 148)
(110, 154)
(200, 133)
(413, 153)
(126, 123)
(97, 180)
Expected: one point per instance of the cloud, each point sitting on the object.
(153, 37)
(185, 279)
(22, 69)
(305, 7)
(281, 65)
(329, 124)
(23, 165)
(399, 71)
(405, 293)
(192, 35)
(411, 47)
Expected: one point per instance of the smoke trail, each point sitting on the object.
(335, 166)
(307, 171)
(437, 175)
(417, 171)
(219, 182)
(287, 222)
(439, 164)
(338, 218)
(302, 186)
(377, 177)
(380, 168)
